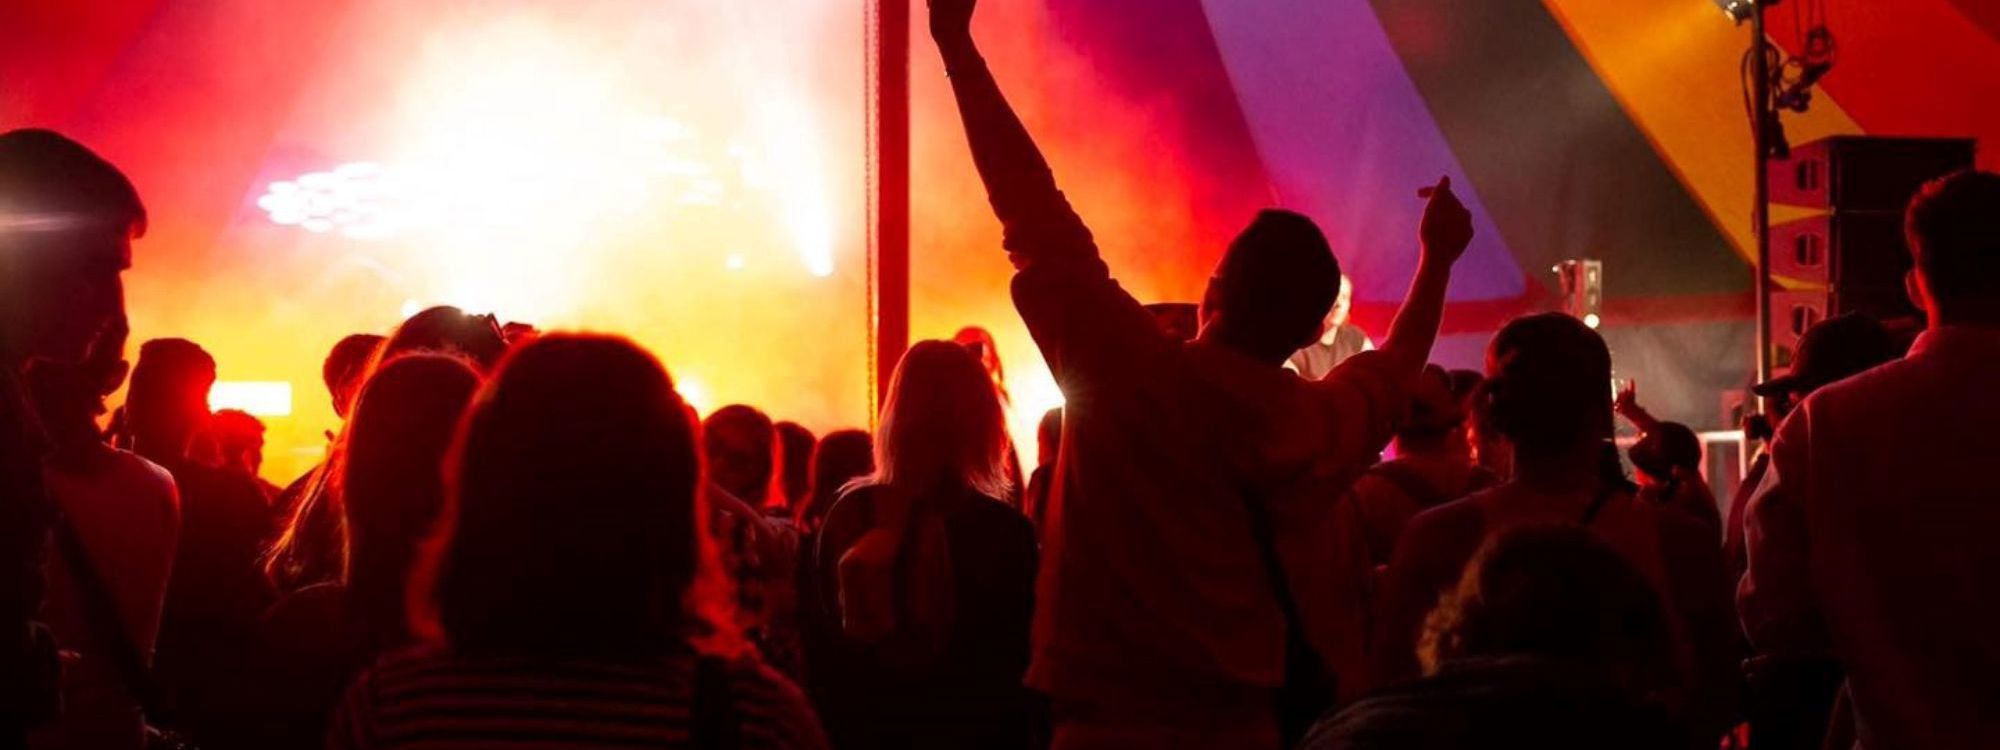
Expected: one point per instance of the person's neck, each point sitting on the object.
(1222, 334)
(1574, 469)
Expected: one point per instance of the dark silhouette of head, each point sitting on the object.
(942, 423)
(741, 446)
(1668, 448)
(1559, 593)
(1953, 229)
(980, 342)
(393, 481)
(69, 396)
(795, 446)
(345, 367)
(1435, 425)
(842, 457)
(1548, 386)
(573, 513)
(449, 330)
(168, 402)
(1273, 288)
(67, 221)
(1048, 437)
(238, 437)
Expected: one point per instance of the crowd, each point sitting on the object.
(525, 539)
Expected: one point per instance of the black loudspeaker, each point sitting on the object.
(1862, 173)
(1856, 260)
(1853, 257)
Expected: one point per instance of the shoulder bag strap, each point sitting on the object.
(101, 612)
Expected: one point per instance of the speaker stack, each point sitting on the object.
(1851, 257)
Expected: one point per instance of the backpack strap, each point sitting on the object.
(717, 724)
(100, 611)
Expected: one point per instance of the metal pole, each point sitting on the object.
(1760, 215)
(891, 114)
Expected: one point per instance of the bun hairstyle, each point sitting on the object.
(1548, 382)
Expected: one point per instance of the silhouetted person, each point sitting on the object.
(1433, 465)
(567, 588)
(927, 575)
(346, 365)
(1790, 700)
(1547, 385)
(742, 447)
(795, 449)
(120, 519)
(1872, 538)
(217, 589)
(1163, 610)
(67, 221)
(1042, 484)
(315, 640)
(310, 548)
(842, 457)
(1550, 640)
(1668, 457)
(1338, 339)
(760, 553)
(980, 342)
(238, 439)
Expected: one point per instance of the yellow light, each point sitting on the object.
(1591, 319)
(261, 398)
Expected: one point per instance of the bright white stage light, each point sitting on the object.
(259, 398)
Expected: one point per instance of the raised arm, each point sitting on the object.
(1446, 230)
(1038, 220)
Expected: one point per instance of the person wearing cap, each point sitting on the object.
(1433, 466)
(1668, 457)
(1872, 538)
(1831, 350)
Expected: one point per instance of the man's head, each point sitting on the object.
(1953, 228)
(1832, 350)
(1548, 384)
(1435, 424)
(346, 365)
(239, 440)
(1667, 449)
(1273, 288)
(67, 220)
(1343, 306)
(741, 445)
(168, 402)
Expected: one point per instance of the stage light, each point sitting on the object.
(259, 398)
(1582, 283)
(1738, 10)
(1591, 319)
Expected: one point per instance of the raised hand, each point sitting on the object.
(1447, 225)
(951, 21)
(1627, 398)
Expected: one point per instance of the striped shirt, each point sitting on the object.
(432, 700)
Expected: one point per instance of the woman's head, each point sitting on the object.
(942, 421)
(573, 511)
(448, 329)
(403, 422)
(1548, 384)
(841, 457)
(1559, 593)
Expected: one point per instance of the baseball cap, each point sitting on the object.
(1834, 349)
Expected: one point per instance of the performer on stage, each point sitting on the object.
(1338, 340)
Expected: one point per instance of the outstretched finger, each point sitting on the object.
(1444, 185)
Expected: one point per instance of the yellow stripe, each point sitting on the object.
(1674, 67)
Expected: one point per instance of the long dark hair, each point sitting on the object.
(574, 518)
(393, 482)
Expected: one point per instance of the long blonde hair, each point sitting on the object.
(942, 420)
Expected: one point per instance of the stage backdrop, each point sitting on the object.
(690, 172)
